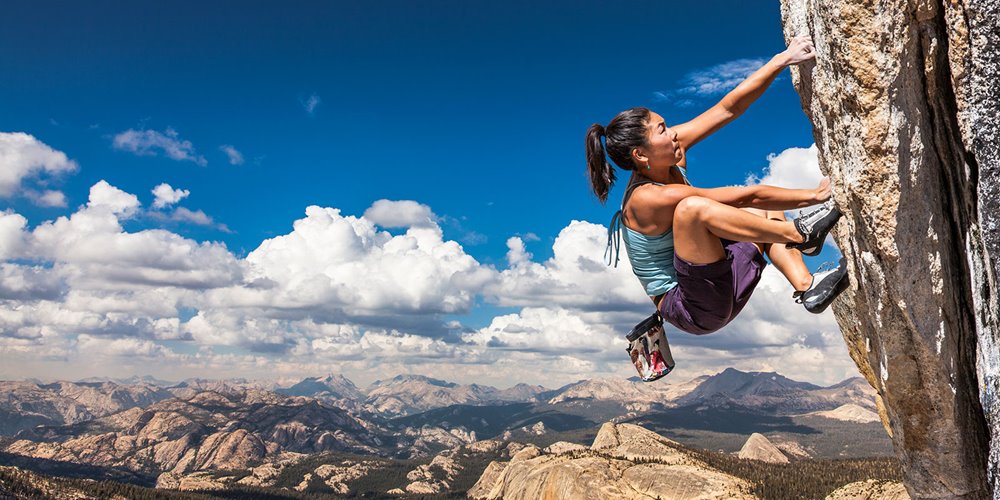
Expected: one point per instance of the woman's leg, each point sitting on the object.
(763, 248)
(699, 223)
(789, 260)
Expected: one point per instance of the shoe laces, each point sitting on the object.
(826, 205)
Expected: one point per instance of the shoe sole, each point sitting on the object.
(841, 286)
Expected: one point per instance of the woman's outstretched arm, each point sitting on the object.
(739, 99)
(760, 196)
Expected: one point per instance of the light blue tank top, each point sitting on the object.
(652, 257)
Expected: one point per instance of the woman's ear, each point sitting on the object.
(639, 157)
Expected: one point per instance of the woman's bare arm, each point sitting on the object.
(739, 99)
(760, 196)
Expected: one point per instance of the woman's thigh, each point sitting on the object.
(693, 241)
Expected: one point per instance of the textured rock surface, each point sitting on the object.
(208, 431)
(903, 100)
(436, 476)
(487, 480)
(23, 405)
(758, 447)
(563, 447)
(870, 490)
(337, 476)
(609, 470)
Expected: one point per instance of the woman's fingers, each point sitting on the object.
(800, 48)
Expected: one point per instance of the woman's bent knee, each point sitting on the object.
(691, 208)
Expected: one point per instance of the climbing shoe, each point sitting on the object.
(827, 284)
(814, 226)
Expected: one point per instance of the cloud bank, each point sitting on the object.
(81, 295)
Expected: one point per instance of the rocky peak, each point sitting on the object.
(620, 390)
(407, 394)
(760, 448)
(737, 383)
(624, 461)
(402, 379)
(336, 386)
(849, 413)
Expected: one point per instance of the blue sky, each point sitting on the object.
(478, 110)
(474, 110)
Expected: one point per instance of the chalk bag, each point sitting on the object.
(649, 350)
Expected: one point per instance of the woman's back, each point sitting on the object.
(647, 218)
(650, 248)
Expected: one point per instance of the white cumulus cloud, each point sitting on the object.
(576, 276)
(129, 348)
(344, 263)
(22, 156)
(167, 195)
(12, 235)
(401, 213)
(549, 330)
(118, 202)
(93, 238)
(794, 168)
(47, 198)
(516, 253)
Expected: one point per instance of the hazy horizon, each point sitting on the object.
(286, 382)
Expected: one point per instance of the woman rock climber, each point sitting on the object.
(699, 252)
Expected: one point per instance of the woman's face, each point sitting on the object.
(662, 148)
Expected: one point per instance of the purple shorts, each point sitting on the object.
(708, 296)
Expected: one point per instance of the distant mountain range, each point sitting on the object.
(24, 405)
(178, 432)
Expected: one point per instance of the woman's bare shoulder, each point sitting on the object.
(662, 195)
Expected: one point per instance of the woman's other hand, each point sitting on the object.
(823, 191)
(799, 50)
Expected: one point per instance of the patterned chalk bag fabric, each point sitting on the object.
(649, 350)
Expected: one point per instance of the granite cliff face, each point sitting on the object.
(903, 101)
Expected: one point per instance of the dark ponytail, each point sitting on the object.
(602, 175)
(626, 132)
